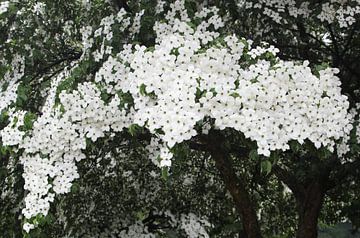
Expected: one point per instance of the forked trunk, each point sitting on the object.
(234, 184)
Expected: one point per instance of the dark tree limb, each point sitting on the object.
(289, 179)
(122, 4)
(234, 184)
(309, 209)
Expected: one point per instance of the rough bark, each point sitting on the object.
(309, 197)
(309, 207)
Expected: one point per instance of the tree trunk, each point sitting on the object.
(309, 197)
(237, 188)
(309, 206)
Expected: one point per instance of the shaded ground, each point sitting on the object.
(343, 230)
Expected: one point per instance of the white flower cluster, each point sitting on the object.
(357, 106)
(37, 171)
(39, 8)
(4, 7)
(87, 41)
(91, 115)
(137, 230)
(159, 153)
(135, 28)
(258, 51)
(335, 11)
(343, 147)
(105, 30)
(274, 8)
(160, 6)
(68, 27)
(11, 135)
(105, 73)
(56, 141)
(11, 78)
(50, 94)
(331, 11)
(193, 226)
(86, 4)
(27, 227)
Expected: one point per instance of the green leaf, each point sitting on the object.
(235, 95)
(133, 129)
(4, 118)
(22, 95)
(165, 173)
(3, 173)
(141, 215)
(29, 119)
(4, 150)
(192, 25)
(295, 146)
(253, 155)
(324, 153)
(75, 187)
(150, 49)
(16, 119)
(175, 51)
(125, 98)
(143, 89)
(319, 68)
(266, 166)
(274, 157)
(105, 96)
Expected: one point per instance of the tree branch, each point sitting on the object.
(122, 4)
(289, 179)
(234, 184)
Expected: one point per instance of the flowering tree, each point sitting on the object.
(323, 32)
(87, 88)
